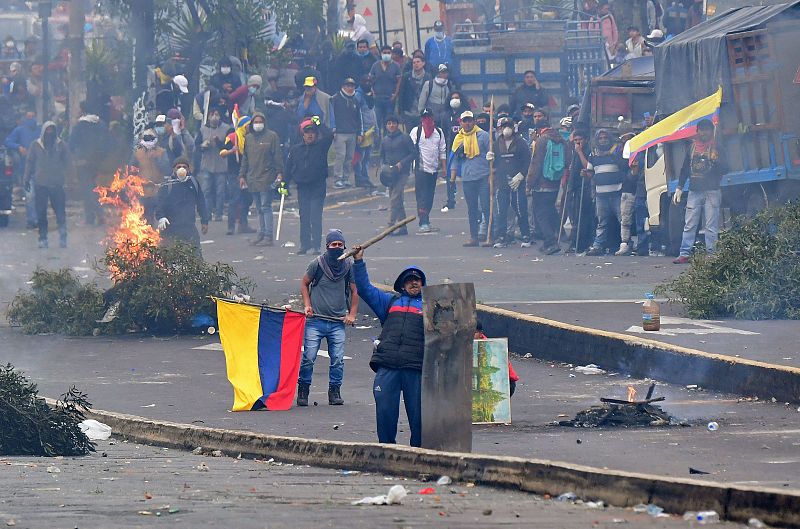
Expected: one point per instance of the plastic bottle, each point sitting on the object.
(707, 518)
(713, 426)
(651, 314)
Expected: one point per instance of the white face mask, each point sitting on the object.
(176, 125)
(455, 103)
(440, 81)
(386, 57)
(258, 127)
(148, 144)
(508, 132)
(225, 70)
(182, 174)
(439, 35)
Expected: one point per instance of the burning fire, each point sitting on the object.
(631, 394)
(131, 230)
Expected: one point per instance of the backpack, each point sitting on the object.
(553, 161)
(348, 278)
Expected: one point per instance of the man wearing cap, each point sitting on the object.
(471, 160)
(431, 155)
(262, 166)
(348, 128)
(397, 154)
(328, 290)
(314, 102)
(397, 358)
(307, 167)
(530, 91)
(178, 199)
(439, 47)
(435, 95)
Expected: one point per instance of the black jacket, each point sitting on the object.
(308, 164)
(398, 147)
(346, 118)
(511, 160)
(527, 94)
(177, 201)
(408, 98)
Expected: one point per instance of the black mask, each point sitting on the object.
(335, 253)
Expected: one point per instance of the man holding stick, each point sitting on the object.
(328, 291)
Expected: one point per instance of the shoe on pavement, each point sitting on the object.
(551, 250)
(266, 241)
(302, 394)
(470, 243)
(42, 243)
(624, 249)
(335, 395)
(339, 184)
(424, 228)
(526, 243)
(487, 243)
(657, 253)
(681, 259)
(594, 250)
(258, 239)
(500, 244)
(447, 208)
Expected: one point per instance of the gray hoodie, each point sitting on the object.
(47, 166)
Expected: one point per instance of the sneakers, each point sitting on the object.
(487, 243)
(334, 396)
(624, 249)
(470, 243)
(447, 208)
(42, 243)
(500, 244)
(258, 239)
(526, 243)
(681, 259)
(340, 184)
(595, 250)
(427, 228)
(551, 250)
(657, 253)
(302, 394)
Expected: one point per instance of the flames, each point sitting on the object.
(631, 394)
(129, 229)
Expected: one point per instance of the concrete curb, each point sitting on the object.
(623, 489)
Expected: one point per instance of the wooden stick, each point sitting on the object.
(263, 306)
(363, 246)
(491, 172)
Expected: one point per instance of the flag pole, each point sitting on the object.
(491, 171)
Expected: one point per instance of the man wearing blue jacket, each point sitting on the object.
(397, 359)
(18, 143)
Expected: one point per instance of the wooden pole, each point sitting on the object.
(273, 309)
(491, 172)
(364, 245)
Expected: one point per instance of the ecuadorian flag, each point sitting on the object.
(262, 354)
(681, 125)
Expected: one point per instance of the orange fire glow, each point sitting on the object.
(631, 394)
(128, 227)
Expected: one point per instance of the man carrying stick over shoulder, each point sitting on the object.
(328, 291)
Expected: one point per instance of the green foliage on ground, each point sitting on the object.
(157, 289)
(754, 272)
(28, 426)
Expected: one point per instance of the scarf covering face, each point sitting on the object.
(333, 267)
(427, 126)
(469, 140)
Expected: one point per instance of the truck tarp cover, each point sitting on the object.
(691, 65)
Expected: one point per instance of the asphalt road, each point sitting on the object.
(142, 486)
(598, 292)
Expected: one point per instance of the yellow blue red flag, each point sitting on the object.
(240, 124)
(262, 354)
(679, 126)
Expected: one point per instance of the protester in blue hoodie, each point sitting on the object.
(397, 358)
(18, 142)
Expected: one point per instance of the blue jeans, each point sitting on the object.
(388, 385)
(707, 205)
(213, 186)
(316, 330)
(608, 211)
(476, 194)
(263, 202)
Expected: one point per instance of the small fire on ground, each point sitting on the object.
(128, 227)
(631, 394)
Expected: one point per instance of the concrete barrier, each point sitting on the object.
(622, 489)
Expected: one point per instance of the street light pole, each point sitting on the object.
(45, 10)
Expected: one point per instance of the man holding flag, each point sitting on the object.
(329, 291)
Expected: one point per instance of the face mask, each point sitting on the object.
(440, 81)
(508, 132)
(182, 174)
(225, 70)
(148, 144)
(159, 130)
(455, 103)
(335, 253)
(252, 90)
(258, 127)
(10, 44)
(176, 125)
(439, 35)
(386, 57)
(363, 53)
(349, 90)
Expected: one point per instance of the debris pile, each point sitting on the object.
(619, 413)
(28, 426)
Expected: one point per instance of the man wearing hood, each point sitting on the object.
(209, 142)
(152, 162)
(397, 359)
(360, 31)
(88, 144)
(44, 171)
(261, 170)
(348, 64)
(439, 47)
(225, 75)
(548, 164)
(17, 144)
(329, 291)
(608, 170)
(178, 199)
(348, 128)
(307, 167)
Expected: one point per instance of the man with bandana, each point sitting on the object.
(178, 199)
(328, 290)
(608, 170)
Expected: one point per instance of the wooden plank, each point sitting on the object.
(450, 319)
